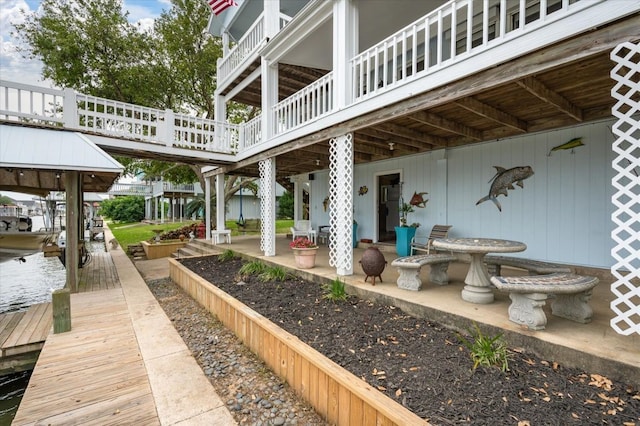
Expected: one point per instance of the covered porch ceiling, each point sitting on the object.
(561, 85)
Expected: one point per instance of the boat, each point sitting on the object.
(17, 238)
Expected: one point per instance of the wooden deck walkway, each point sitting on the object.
(99, 274)
(22, 336)
(94, 374)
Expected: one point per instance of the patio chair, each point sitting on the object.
(423, 243)
(301, 228)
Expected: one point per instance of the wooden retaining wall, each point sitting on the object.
(336, 394)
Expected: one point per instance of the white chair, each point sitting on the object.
(302, 228)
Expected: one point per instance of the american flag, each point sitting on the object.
(219, 6)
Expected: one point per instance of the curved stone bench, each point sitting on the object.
(529, 293)
(409, 269)
(494, 263)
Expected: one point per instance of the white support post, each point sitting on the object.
(70, 109)
(220, 213)
(626, 198)
(207, 207)
(345, 47)
(271, 18)
(269, 98)
(220, 116)
(268, 206)
(168, 131)
(341, 203)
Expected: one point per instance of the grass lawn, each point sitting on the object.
(133, 233)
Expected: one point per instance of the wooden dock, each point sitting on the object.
(22, 336)
(93, 375)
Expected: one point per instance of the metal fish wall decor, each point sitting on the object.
(504, 180)
(418, 200)
(573, 143)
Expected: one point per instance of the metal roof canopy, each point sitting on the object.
(34, 160)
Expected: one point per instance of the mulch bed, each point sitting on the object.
(422, 364)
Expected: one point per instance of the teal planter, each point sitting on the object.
(404, 235)
(354, 237)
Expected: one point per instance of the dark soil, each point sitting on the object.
(425, 366)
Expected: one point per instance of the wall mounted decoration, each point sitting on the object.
(363, 190)
(325, 203)
(418, 200)
(504, 180)
(573, 143)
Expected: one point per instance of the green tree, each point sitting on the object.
(123, 209)
(4, 200)
(285, 206)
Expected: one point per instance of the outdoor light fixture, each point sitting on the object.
(21, 173)
(317, 162)
(57, 175)
(391, 144)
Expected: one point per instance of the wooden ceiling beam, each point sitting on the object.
(542, 92)
(487, 111)
(419, 137)
(381, 148)
(389, 132)
(442, 123)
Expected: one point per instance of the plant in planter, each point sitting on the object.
(404, 232)
(304, 252)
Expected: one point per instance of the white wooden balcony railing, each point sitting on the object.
(75, 111)
(307, 105)
(247, 45)
(427, 45)
(139, 189)
(251, 133)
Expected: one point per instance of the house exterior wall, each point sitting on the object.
(563, 213)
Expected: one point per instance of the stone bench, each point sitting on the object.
(409, 269)
(528, 295)
(494, 264)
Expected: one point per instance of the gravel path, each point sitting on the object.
(253, 394)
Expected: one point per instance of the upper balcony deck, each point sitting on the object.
(447, 45)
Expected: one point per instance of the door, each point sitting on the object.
(387, 206)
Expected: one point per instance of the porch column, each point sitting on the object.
(269, 97)
(345, 47)
(220, 211)
(72, 188)
(207, 207)
(341, 203)
(268, 206)
(271, 18)
(626, 197)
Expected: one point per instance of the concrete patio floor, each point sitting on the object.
(593, 347)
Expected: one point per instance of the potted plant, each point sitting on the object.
(405, 232)
(304, 252)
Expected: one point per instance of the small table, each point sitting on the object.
(478, 285)
(221, 235)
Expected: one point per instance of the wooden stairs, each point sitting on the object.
(196, 248)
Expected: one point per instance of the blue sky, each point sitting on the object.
(14, 67)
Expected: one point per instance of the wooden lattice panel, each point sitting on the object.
(267, 170)
(626, 199)
(341, 203)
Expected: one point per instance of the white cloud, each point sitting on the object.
(13, 66)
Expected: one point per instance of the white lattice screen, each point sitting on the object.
(341, 203)
(626, 199)
(267, 170)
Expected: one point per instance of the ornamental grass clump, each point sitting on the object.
(302, 243)
(334, 290)
(486, 351)
(252, 268)
(273, 273)
(226, 255)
